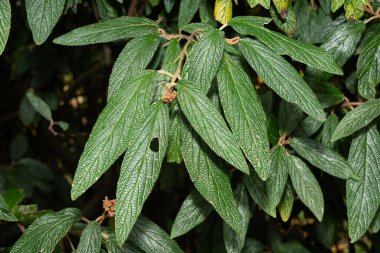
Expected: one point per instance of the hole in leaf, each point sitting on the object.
(154, 144)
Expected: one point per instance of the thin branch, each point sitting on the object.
(85, 219)
(232, 41)
(223, 26)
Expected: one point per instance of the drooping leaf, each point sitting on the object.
(39, 105)
(286, 204)
(151, 238)
(210, 125)
(356, 119)
(368, 67)
(111, 133)
(233, 241)
(323, 158)
(281, 77)
(276, 183)
(223, 11)
(141, 167)
(307, 127)
(5, 214)
(91, 239)
(306, 53)
(42, 16)
(46, 231)
(205, 58)
(363, 196)
(109, 30)
(134, 58)
(306, 186)
(290, 115)
(244, 114)
(5, 23)
(207, 172)
(187, 10)
(328, 128)
(194, 210)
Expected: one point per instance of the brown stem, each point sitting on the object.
(232, 41)
(21, 227)
(85, 219)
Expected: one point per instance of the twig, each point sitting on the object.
(21, 227)
(232, 41)
(71, 243)
(349, 104)
(85, 219)
(283, 141)
(165, 73)
(101, 218)
(223, 26)
(369, 9)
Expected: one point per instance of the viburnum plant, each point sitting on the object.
(258, 115)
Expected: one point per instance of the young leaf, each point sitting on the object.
(233, 241)
(91, 239)
(244, 114)
(5, 23)
(323, 158)
(281, 77)
(289, 117)
(276, 183)
(306, 53)
(356, 119)
(286, 204)
(141, 167)
(151, 238)
(109, 30)
(306, 186)
(134, 58)
(187, 10)
(207, 172)
(110, 136)
(363, 196)
(210, 125)
(264, 3)
(194, 210)
(46, 231)
(223, 11)
(368, 67)
(328, 128)
(42, 16)
(205, 58)
(39, 105)
(5, 214)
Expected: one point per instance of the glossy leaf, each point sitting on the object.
(363, 196)
(223, 11)
(356, 119)
(323, 158)
(286, 204)
(91, 239)
(194, 210)
(134, 58)
(210, 125)
(290, 115)
(109, 30)
(205, 58)
(5, 214)
(187, 10)
(5, 23)
(46, 231)
(151, 238)
(110, 136)
(233, 241)
(306, 186)
(39, 105)
(281, 77)
(141, 167)
(244, 114)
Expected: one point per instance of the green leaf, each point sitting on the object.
(26, 112)
(325, 231)
(42, 16)
(327, 94)
(233, 241)
(13, 197)
(264, 3)
(187, 10)
(207, 172)
(286, 204)
(307, 127)
(257, 190)
(323, 158)
(368, 67)
(289, 116)
(110, 136)
(109, 30)
(205, 58)
(169, 4)
(134, 58)
(5, 214)
(281, 77)
(243, 23)
(151, 238)
(141, 167)
(46, 231)
(174, 149)
(328, 128)
(194, 210)
(19, 146)
(306, 186)
(244, 113)
(39, 105)
(223, 11)
(375, 225)
(206, 13)
(170, 61)
(91, 239)
(210, 125)
(253, 246)
(62, 124)
(336, 4)
(363, 196)
(276, 183)
(356, 119)
(299, 51)
(5, 23)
